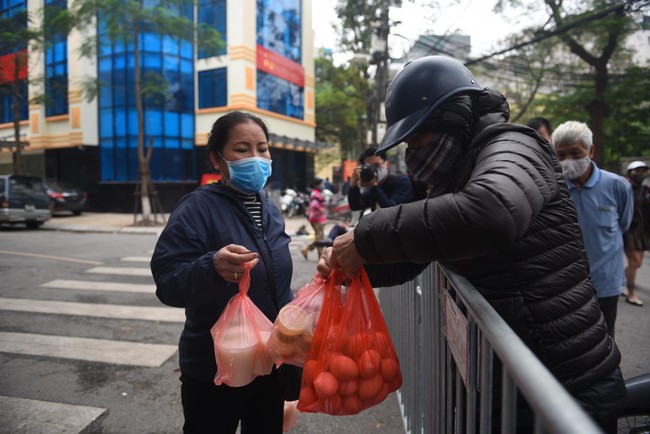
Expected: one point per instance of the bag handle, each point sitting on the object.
(248, 224)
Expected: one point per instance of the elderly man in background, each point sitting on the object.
(605, 204)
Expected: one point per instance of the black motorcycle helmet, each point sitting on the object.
(418, 90)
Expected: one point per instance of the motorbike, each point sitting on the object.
(636, 417)
(293, 203)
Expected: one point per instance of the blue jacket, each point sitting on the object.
(605, 206)
(203, 222)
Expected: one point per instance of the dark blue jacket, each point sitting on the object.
(203, 222)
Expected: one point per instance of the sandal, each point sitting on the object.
(636, 302)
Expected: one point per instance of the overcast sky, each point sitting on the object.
(472, 17)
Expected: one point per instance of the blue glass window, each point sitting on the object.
(213, 88)
(56, 64)
(279, 27)
(6, 104)
(279, 96)
(212, 13)
(168, 124)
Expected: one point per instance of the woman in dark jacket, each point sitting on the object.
(198, 262)
(500, 214)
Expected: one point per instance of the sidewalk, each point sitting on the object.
(124, 223)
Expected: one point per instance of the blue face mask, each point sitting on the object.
(248, 175)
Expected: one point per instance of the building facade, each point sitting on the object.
(266, 67)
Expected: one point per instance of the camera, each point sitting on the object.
(368, 173)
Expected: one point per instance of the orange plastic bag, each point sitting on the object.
(240, 335)
(352, 364)
(293, 329)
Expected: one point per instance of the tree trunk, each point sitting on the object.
(597, 110)
(143, 162)
(19, 167)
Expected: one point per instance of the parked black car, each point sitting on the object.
(23, 200)
(65, 197)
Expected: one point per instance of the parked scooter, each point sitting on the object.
(293, 203)
(636, 417)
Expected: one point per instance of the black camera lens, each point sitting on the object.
(368, 173)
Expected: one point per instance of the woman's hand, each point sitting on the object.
(229, 261)
(343, 254)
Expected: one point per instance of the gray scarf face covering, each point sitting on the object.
(433, 163)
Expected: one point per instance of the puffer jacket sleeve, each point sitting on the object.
(182, 261)
(512, 178)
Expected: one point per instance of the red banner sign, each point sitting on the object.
(8, 66)
(272, 63)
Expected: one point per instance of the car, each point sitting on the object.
(23, 200)
(65, 197)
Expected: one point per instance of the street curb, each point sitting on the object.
(104, 230)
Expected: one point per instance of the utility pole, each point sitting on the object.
(379, 57)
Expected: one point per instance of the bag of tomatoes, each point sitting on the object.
(293, 329)
(352, 364)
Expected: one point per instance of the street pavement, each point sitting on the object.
(632, 330)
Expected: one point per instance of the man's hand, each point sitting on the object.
(343, 254)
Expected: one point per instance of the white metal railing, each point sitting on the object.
(449, 341)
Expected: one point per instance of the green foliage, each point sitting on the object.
(340, 105)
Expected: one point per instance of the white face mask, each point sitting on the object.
(381, 173)
(574, 169)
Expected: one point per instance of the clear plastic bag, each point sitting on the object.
(293, 329)
(240, 336)
(352, 364)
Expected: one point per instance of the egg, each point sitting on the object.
(307, 397)
(355, 345)
(381, 343)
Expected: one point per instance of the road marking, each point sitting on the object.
(92, 350)
(123, 271)
(137, 259)
(53, 258)
(19, 415)
(99, 286)
(113, 311)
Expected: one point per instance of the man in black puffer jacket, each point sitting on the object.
(500, 214)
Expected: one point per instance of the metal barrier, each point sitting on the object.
(447, 335)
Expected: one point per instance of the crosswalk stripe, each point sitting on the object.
(99, 286)
(136, 259)
(93, 350)
(20, 415)
(124, 271)
(141, 313)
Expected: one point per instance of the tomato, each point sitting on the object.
(343, 367)
(307, 396)
(352, 404)
(347, 388)
(326, 385)
(389, 369)
(369, 363)
(309, 372)
(369, 388)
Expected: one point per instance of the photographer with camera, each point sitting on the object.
(371, 185)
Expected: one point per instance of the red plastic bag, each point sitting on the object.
(352, 364)
(240, 337)
(293, 329)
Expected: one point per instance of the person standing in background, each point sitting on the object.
(605, 204)
(317, 216)
(637, 239)
(371, 186)
(542, 126)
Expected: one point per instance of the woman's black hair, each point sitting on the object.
(223, 126)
